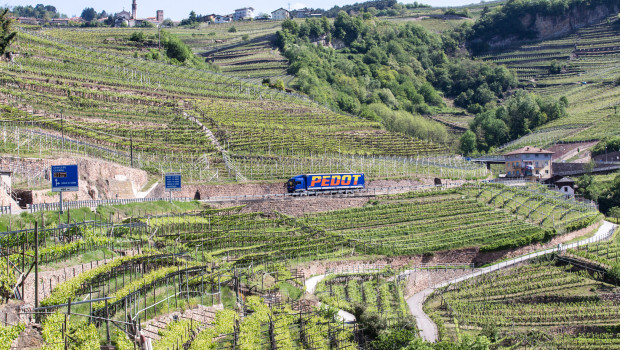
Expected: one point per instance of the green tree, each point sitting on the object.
(88, 14)
(394, 339)
(6, 33)
(610, 197)
(555, 67)
(279, 85)
(615, 213)
(468, 142)
(290, 26)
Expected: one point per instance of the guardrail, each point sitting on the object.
(33, 208)
(5, 209)
(583, 171)
(489, 159)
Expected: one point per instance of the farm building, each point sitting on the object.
(566, 186)
(529, 162)
(280, 15)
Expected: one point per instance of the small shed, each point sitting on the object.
(566, 186)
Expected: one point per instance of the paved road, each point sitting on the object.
(311, 287)
(428, 329)
(312, 282)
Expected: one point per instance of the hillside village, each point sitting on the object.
(130, 19)
(379, 175)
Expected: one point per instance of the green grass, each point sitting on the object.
(290, 291)
(84, 258)
(26, 220)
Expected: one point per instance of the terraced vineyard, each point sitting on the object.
(602, 253)
(543, 305)
(372, 291)
(148, 286)
(538, 205)
(252, 59)
(590, 56)
(230, 278)
(418, 223)
(247, 239)
(117, 104)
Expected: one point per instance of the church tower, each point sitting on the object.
(134, 9)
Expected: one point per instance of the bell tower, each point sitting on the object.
(134, 9)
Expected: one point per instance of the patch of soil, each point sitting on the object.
(30, 338)
(298, 206)
(566, 151)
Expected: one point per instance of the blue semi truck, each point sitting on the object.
(325, 182)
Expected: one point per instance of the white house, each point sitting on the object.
(280, 15)
(244, 13)
(222, 19)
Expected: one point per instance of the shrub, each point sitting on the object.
(137, 37)
(232, 29)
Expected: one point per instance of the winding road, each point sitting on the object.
(311, 287)
(428, 329)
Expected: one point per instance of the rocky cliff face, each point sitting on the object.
(549, 27)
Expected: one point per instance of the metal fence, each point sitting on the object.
(33, 208)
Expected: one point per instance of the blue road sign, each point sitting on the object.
(173, 181)
(64, 178)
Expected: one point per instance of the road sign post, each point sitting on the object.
(173, 183)
(64, 179)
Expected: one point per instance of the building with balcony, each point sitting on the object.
(532, 163)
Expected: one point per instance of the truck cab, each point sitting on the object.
(296, 184)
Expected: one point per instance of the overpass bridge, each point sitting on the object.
(488, 160)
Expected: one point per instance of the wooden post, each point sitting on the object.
(107, 323)
(36, 269)
(23, 266)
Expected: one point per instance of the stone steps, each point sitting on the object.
(200, 314)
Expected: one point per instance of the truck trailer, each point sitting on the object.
(325, 182)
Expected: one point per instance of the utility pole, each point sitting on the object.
(62, 131)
